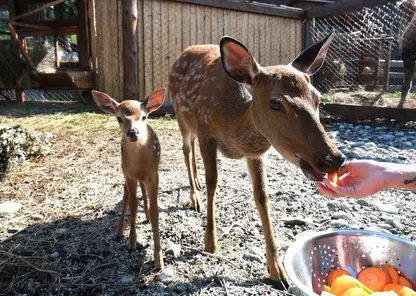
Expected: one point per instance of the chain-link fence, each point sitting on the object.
(48, 54)
(364, 40)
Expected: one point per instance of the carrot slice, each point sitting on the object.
(407, 292)
(374, 278)
(355, 292)
(344, 282)
(326, 288)
(391, 271)
(404, 282)
(333, 274)
(333, 177)
(393, 287)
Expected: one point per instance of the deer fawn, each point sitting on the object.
(140, 155)
(223, 97)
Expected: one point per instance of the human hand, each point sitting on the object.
(358, 178)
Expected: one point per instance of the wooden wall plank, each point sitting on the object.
(178, 28)
(250, 33)
(207, 21)
(157, 46)
(107, 83)
(186, 26)
(164, 55)
(215, 31)
(285, 42)
(112, 39)
(148, 46)
(257, 33)
(93, 33)
(274, 41)
(141, 48)
(193, 24)
(171, 55)
(200, 25)
(119, 53)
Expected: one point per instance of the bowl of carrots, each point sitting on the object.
(352, 263)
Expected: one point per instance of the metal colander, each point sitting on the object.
(309, 260)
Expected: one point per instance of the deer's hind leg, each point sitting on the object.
(194, 169)
(409, 71)
(188, 152)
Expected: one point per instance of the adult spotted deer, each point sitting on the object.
(140, 155)
(223, 97)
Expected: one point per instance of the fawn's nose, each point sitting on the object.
(133, 134)
(331, 162)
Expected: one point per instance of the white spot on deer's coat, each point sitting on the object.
(154, 147)
(213, 78)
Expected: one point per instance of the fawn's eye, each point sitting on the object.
(144, 117)
(119, 119)
(275, 104)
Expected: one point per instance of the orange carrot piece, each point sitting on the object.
(333, 274)
(404, 282)
(333, 177)
(374, 278)
(344, 282)
(393, 287)
(391, 271)
(326, 288)
(355, 292)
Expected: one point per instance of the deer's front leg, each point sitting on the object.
(152, 189)
(209, 156)
(259, 181)
(145, 201)
(121, 223)
(133, 203)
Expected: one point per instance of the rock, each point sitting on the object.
(370, 144)
(358, 144)
(408, 144)
(388, 209)
(125, 280)
(37, 216)
(166, 275)
(388, 137)
(54, 255)
(346, 206)
(339, 223)
(340, 215)
(362, 202)
(367, 127)
(373, 228)
(253, 257)
(399, 134)
(333, 204)
(174, 250)
(402, 157)
(397, 225)
(384, 225)
(9, 207)
(290, 221)
(387, 219)
(15, 229)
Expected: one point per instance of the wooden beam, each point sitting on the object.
(36, 10)
(351, 112)
(290, 12)
(58, 31)
(31, 25)
(83, 40)
(343, 6)
(130, 57)
(24, 52)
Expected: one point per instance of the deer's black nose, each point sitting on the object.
(331, 162)
(133, 134)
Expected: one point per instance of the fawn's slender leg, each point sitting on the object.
(121, 223)
(187, 153)
(133, 203)
(145, 201)
(194, 169)
(409, 71)
(258, 176)
(209, 155)
(152, 189)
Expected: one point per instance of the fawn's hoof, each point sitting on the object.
(147, 221)
(118, 238)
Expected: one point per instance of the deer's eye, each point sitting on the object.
(144, 118)
(119, 119)
(275, 104)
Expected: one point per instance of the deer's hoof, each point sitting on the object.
(281, 285)
(147, 221)
(118, 238)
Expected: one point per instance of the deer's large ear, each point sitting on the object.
(237, 61)
(105, 102)
(311, 59)
(155, 100)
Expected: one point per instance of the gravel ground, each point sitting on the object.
(64, 240)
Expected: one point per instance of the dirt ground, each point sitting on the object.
(65, 240)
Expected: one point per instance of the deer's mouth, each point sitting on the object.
(310, 172)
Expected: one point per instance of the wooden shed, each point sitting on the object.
(165, 28)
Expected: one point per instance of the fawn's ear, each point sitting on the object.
(105, 102)
(155, 100)
(311, 59)
(237, 61)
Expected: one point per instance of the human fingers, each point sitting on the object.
(326, 191)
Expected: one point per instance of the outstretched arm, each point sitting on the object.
(362, 178)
